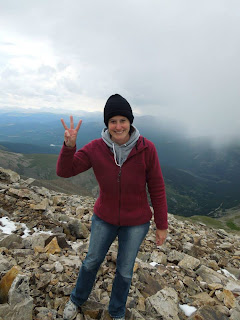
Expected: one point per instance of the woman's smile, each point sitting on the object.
(119, 127)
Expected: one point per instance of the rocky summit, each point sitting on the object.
(44, 238)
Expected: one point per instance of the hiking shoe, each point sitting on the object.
(70, 312)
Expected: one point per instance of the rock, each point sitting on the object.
(211, 276)
(135, 315)
(20, 311)
(58, 267)
(202, 299)
(213, 265)
(10, 241)
(191, 284)
(46, 314)
(92, 309)
(234, 271)
(164, 303)
(227, 246)
(215, 286)
(9, 175)
(78, 229)
(6, 282)
(175, 256)
(233, 286)
(24, 193)
(44, 280)
(19, 291)
(147, 285)
(235, 315)
(38, 239)
(188, 247)
(52, 267)
(52, 247)
(20, 304)
(228, 299)
(208, 313)
(222, 233)
(47, 267)
(61, 239)
(4, 263)
(189, 262)
(58, 200)
(71, 261)
(159, 257)
(42, 206)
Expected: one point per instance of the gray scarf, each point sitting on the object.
(120, 152)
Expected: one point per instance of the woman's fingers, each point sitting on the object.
(64, 124)
(79, 125)
(71, 122)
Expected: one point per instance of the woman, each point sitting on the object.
(123, 163)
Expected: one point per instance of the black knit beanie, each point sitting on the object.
(116, 105)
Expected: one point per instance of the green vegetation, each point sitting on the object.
(232, 225)
(208, 221)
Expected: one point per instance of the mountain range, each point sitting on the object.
(201, 179)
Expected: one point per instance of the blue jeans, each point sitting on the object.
(102, 236)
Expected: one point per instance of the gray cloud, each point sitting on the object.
(176, 60)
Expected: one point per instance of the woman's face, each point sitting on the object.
(119, 127)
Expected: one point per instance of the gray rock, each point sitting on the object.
(11, 241)
(19, 290)
(20, 311)
(175, 256)
(24, 194)
(189, 262)
(222, 234)
(20, 304)
(42, 206)
(164, 303)
(9, 175)
(227, 246)
(71, 261)
(208, 313)
(4, 264)
(78, 229)
(210, 276)
(159, 257)
(38, 239)
(235, 315)
(187, 247)
(58, 267)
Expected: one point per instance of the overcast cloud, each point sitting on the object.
(173, 59)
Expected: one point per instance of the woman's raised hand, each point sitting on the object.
(70, 135)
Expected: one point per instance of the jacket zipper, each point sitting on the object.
(119, 203)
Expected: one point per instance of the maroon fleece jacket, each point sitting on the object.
(122, 198)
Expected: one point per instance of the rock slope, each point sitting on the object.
(44, 237)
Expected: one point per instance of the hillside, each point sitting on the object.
(201, 179)
(187, 194)
(44, 237)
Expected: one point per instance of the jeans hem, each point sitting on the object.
(76, 304)
(116, 317)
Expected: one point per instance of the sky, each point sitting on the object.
(178, 61)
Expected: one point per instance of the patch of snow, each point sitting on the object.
(7, 226)
(39, 231)
(26, 231)
(154, 264)
(188, 310)
(228, 274)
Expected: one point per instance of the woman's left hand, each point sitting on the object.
(161, 236)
